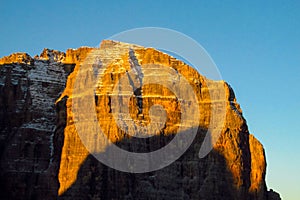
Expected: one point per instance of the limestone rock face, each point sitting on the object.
(43, 157)
(20, 58)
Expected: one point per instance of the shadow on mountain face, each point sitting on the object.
(187, 178)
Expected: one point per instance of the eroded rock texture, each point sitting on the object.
(42, 156)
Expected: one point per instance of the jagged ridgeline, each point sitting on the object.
(43, 157)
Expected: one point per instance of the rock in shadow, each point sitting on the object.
(187, 178)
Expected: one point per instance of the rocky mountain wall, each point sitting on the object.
(43, 157)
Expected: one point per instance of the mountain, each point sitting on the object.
(43, 155)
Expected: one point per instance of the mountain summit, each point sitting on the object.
(43, 157)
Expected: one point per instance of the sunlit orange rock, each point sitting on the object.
(41, 144)
(23, 58)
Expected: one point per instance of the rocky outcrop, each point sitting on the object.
(42, 155)
(19, 58)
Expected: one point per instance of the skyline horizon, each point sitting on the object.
(255, 47)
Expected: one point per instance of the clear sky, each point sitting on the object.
(255, 44)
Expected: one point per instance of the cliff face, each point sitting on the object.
(42, 155)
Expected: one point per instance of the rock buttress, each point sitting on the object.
(42, 155)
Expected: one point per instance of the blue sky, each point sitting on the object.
(255, 44)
